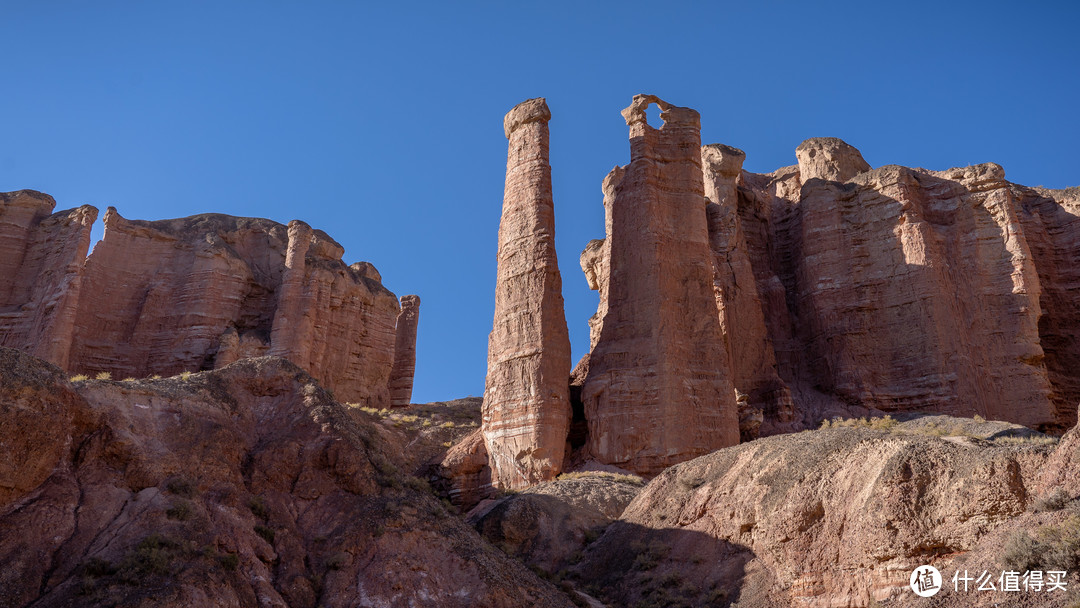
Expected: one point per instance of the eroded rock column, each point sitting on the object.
(526, 410)
(658, 390)
(401, 376)
(288, 337)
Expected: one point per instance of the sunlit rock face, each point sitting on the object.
(526, 410)
(184, 295)
(659, 389)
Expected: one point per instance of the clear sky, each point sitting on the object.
(381, 123)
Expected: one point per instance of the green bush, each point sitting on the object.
(268, 534)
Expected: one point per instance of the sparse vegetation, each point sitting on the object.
(648, 555)
(1055, 501)
(978, 418)
(337, 561)
(79, 378)
(229, 561)
(620, 477)
(180, 486)
(258, 507)
(185, 375)
(886, 423)
(129, 379)
(1054, 547)
(1029, 440)
(103, 376)
(155, 554)
(180, 510)
(266, 533)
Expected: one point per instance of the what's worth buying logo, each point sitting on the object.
(926, 581)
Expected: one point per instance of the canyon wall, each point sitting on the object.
(845, 290)
(184, 295)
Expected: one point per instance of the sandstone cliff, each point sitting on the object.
(190, 294)
(245, 486)
(41, 257)
(846, 290)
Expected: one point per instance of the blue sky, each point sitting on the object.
(382, 123)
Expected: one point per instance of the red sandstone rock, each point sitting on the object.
(246, 486)
(830, 159)
(753, 362)
(401, 375)
(41, 258)
(659, 389)
(834, 517)
(917, 291)
(196, 293)
(526, 411)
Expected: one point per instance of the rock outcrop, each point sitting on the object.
(833, 517)
(526, 411)
(401, 375)
(741, 313)
(183, 295)
(41, 256)
(845, 290)
(245, 486)
(659, 389)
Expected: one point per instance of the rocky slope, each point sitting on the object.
(245, 486)
(831, 517)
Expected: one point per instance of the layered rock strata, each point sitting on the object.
(659, 389)
(183, 295)
(741, 313)
(41, 256)
(526, 410)
(401, 375)
(844, 290)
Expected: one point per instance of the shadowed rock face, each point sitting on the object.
(245, 486)
(526, 411)
(401, 376)
(658, 389)
(741, 313)
(190, 294)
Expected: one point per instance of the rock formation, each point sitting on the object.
(526, 411)
(401, 375)
(742, 318)
(658, 389)
(245, 486)
(190, 294)
(41, 256)
(833, 517)
(844, 290)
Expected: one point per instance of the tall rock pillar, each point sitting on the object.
(659, 388)
(526, 411)
(291, 330)
(401, 376)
